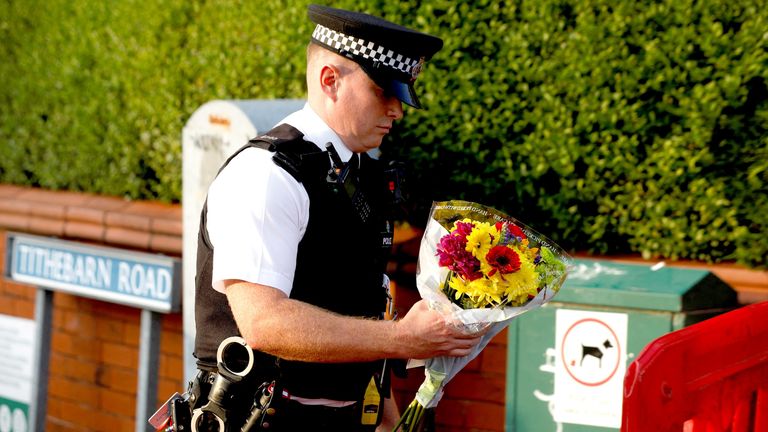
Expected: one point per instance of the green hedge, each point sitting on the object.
(96, 93)
(614, 127)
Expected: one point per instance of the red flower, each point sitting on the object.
(503, 259)
(516, 231)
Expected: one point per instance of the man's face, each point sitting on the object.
(364, 113)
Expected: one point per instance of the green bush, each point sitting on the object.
(97, 93)
(614, 127)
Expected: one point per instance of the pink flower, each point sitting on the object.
(463, 229)
(453, 255)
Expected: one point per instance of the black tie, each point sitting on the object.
(359, 202)
(354, 165)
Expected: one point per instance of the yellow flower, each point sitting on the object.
(511, 289)
(482, 238)
(519, 285)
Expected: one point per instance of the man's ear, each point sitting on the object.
(329, 80)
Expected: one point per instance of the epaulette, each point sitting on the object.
(292, 153)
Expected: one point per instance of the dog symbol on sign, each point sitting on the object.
(596, 352)
(590, 351)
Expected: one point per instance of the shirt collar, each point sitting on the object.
(317, 131)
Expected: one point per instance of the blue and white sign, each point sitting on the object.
(136, 279)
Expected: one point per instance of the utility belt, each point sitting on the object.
(300, 417)
(223, 400)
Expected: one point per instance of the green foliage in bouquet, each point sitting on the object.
(621, 126)
(495, 265)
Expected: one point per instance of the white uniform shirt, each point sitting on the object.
(258, 213)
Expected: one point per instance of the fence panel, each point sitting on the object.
(709, 377)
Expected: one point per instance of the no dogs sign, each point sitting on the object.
(589, 367)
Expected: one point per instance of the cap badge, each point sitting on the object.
(416, 70)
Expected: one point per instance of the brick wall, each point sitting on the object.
(95, 345)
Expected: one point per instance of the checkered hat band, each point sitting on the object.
(367, 50)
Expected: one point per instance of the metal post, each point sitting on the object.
(43, 319)
(149, 354)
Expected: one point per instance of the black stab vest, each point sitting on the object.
(339, 267)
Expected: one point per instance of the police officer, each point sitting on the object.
(296, 232)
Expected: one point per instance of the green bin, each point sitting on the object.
(566, 360)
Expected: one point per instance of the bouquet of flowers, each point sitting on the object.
(481, 268)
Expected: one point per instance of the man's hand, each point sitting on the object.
(426, 333)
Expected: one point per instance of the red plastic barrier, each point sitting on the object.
(709, 377)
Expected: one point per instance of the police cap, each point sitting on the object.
(391, 55)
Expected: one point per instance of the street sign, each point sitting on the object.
(136, 279)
